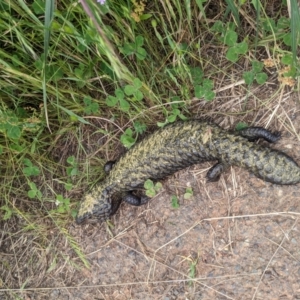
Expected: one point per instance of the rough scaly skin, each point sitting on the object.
(178, 146)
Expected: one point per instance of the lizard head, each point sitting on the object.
(96, 204)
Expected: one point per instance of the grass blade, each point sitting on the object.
(295, 28)
(49, 11)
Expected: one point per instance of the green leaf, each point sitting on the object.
(74, 172)
(283, 23)
(139, 41)
(207, 84)
(249, 77)
(199, 91)
(59, 198)
(93, 108)
(126, 138)
(128, 49)
(138, 95)
(160, 124)
(139, 127)
(14, 132)
(87, 100)
(287, 59)
(127, 141)
(175, 111)
(90, 106)
(187, 196)
(197, 75)
(68, 186)
(124, 105)
(231, 55)
(172, 118)
(38, 194)
(188, 193)
(256, 4)
(32, 193)
(218, 27)
(32, 185)
(111, 101)
(261, 78)
(257, 66)
(129, 132)
(137, 83)
(71, 160)
(74, 213)
(287, 39)
(209, 95)
(129, 90)
(240, 126)
(174, 201)
(16, 147)
(230, 38)
(119, 94)
(150, 193)
(38, 7)
(148, 184)
(241, 48)
(141, 53)
(60, 209)
(183, 117)
(31, 171)
(157, 186)
(79, 71)
(8, 212)
(27, 162)
(269, 25)
(145, 17)
(189, 190)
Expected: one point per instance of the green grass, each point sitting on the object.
(77, 74)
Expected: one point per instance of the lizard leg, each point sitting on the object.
(254, 133)
(132, 199)
(215, 172)
(108, 166)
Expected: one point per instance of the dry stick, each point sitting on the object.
(104, 119)
(279, 246)
(295, 258)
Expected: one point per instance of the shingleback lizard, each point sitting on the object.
(178, 146)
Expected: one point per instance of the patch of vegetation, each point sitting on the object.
(151, 188)
(174, 201)
(188, 193)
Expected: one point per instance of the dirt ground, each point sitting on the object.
(238, 238)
